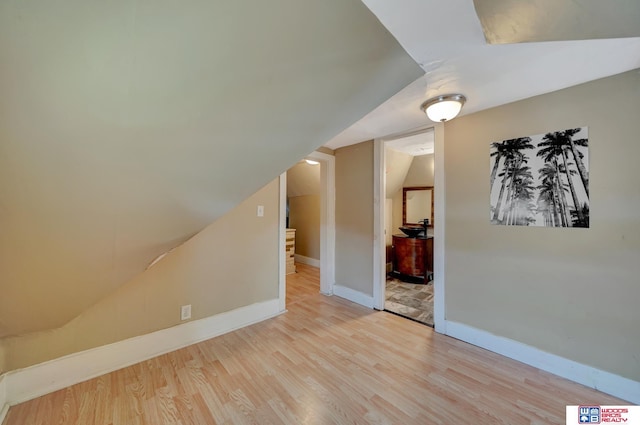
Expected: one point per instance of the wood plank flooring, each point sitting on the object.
(326, 361)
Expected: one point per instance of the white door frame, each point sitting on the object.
(327, 220)
(282, 241)
(379, 248)
(327, 225)
(439, 184)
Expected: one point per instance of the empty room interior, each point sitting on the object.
(213, 212)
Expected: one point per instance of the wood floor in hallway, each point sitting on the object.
(325, 361)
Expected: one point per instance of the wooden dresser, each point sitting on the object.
(290, 247)
(413, 258)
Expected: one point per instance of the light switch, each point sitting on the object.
(260, 210)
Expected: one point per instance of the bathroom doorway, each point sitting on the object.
(407, 195)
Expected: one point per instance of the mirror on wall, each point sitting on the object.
(417, 204)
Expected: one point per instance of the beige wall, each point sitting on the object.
(571, 292)
(303, 179)
(354, 217)
(303, 194)
(397, 212)
(388, 222)
(122, 135)
(231, 263)
(3, 366)
(397, 166)
(304, 216)
(421, 172)
(324, 149)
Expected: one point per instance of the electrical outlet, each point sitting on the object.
(185, 312)
(260, 210)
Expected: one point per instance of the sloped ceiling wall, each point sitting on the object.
(397, 166)
(127, 126)
(513, 21)
(303, 179)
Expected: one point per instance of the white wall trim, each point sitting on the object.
(307, 260)
(353, 295)
(589, 376)
(327, 220)
(282, 241)
(379, 249)
(35, 381)
(439, 240)
(4, 404)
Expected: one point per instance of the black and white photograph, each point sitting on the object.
(541, 180)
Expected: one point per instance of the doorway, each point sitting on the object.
(326, 261)
(407, 278)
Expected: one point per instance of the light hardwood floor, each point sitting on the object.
(326, 361)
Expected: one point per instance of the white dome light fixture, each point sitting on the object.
(443, 108)
(311, 162)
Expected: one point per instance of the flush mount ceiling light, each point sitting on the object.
(443, 108)
(311, 162)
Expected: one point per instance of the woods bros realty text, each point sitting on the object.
(594, 414)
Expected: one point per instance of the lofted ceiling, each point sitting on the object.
(449, 41)
(127, 126)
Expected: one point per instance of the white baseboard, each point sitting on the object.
(353, 295)
(34, 381)
(306, 260)
(4, 404)
(589, 376)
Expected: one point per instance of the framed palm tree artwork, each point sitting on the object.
(541, 180)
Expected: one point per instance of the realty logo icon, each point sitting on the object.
(588, 414)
